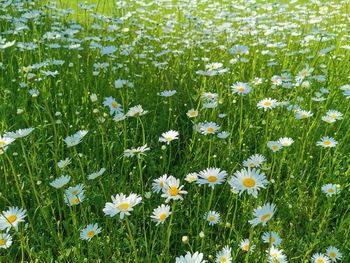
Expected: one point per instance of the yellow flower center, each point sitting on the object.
(75, 200)
(251, 165)
(223, 260)
(193, 113)
(12, 218)
(212, 178)
(2, 143)
(320, 260)
(161, 184)
(327, 142)
(123, 206)
(169, 139)
(267, 103)
(272, 240)
(241, 89)
(332, 255)
(210, 129)
(304, 73)
(274, 147)
(246, 247)
(75, 192)
(211, 218)
(173, 191)
(248, 182)
(333, 115)
(114, 104)
(91, 233)
(162, 217)
(265, 217)
(330, 190)
(2, 242)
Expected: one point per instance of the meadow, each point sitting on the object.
(174, 131)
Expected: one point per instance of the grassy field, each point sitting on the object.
(144, 131)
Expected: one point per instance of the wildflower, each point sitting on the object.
(328, 119)
(223, 135)
(239, 50)
(168, 93)
(119, 117)
(5, 240)
(246, 245)
(160, 183)
(191, 177)
(169, 136)
(212, 217)
(136, 111)
(74, 195)
(209, 128)
(330, 189)
(333, 253)
(63, 163)
(305, 72)
(189, 258)
(19, 133)
(276, 255)
(96, 174)
(212, 176)
(250, 180)
(90, 231)
(60, 181)
(320, 258)
(138, 152)
(121, 204)
(241, 88)
(302, 114)
(254, 161)
(114, 106)
(160, 214)
(192, 113)
(285, 141)
(75, 139)
(274, 145)
(224, 255)
(271, 238)
(5, 141)
(327, 142)
(11, 218)
(263, 214)
(173, 190)
(267, 104)
(335, 114)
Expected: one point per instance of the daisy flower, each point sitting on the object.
(191, 177)
(276, 255)
(303, 114)
(267, 104)
(327, 142)
(173, 190)
(138, 152)
(11, 218)
(275, 146)
(19, 133)
(72, 199)
(330, 189)
(167, 93)
(250, 180)
(212, 217)
(64, 163)
(75, 139)
(211, 176)
(169, 136)
(5, 141)
(161, 213)
(60, 181)
(160, 183)
(328, 119)
(121, 204)
(241, 88)
(114, 106)
(89, 232)
(271, 238)
(136, 111)
(96, 174)
(246, 245)
(263, 214)
(189, 258)
(333, 253)
(320, 258)
(5, 240)
(209, 128)
(223, 135)
(254, 161)
(285, 141)
(224, 255)
(192, 113)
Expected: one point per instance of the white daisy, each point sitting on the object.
(327, 142)
(212, 217)
(11, 218)
(189, 258)
(160, 214)
(5, 240)
(121, 204)
(89, 232)
(60, 181)
(263, 214)
(169, 136)
(267, 104)
(211, 176)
